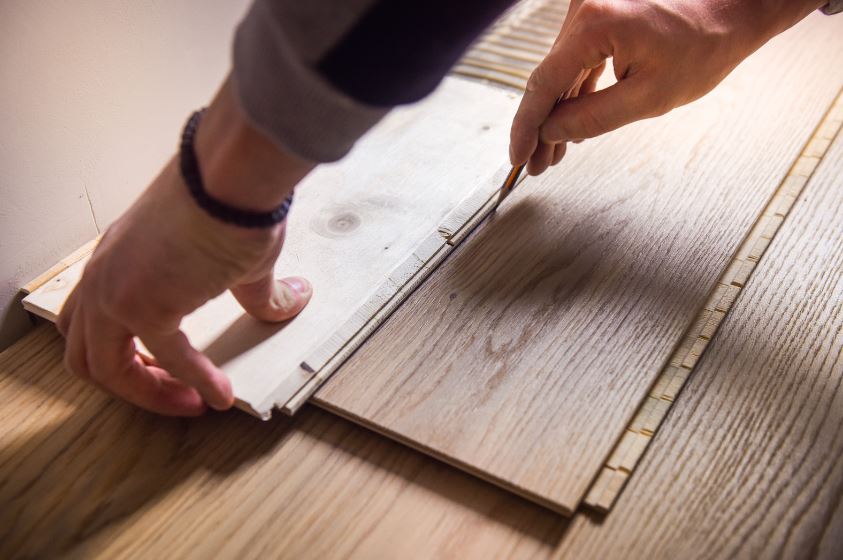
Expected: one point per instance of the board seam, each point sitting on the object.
(631, 446)
(452, 231)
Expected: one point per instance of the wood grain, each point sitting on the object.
(523, 359)
(84, 475)
(355, 226)
(632, 444)
(747, 464)
(508, 51)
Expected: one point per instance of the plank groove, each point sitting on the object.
(525, 357)
(748, 464)
(361, 232)
(615, 473)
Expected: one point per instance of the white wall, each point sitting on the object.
(93, 95)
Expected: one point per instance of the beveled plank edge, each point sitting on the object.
(465, 467)
(630, 448)
(59, 267)
(471, 212)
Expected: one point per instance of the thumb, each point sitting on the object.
(596, 113)
(271, 299)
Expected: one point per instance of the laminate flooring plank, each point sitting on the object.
(630, 448)
(84, 475)
(749, 463)
(524, 357)
(352, 225)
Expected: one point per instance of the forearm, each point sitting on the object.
(240, 165)
(315, 76)
(308, 80)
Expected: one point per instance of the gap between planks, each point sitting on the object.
(340, 344)
(402, 282)
(630, 448)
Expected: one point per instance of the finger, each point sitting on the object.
(541, 158)
(589, 85)
(116, 367)
(597, 113)
(176, 356)
(559, 152)
(75, 360)
(577, 87)
(271, 299)
(556, 74)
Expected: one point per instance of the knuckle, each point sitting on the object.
(538, 78)
(592, 15)
(590, 9)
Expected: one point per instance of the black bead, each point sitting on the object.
(189, 166)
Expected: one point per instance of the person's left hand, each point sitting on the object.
(165, 257)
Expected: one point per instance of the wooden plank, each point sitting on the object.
(79, 254)
(507, 53)
(524, 358)
(748, 464)
(602, 495)
(354, 230)
(84, 475)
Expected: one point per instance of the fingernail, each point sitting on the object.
(299, 284)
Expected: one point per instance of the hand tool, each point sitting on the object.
(512, 178)
(509, 183)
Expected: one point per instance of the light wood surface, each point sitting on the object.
(747, 464)
(635, 439)
(750, 461)
(354, 231)
(525, 356)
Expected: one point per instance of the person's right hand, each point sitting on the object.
(665, 54)
(165, 257)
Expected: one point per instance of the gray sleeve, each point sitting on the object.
(833, 7)
(276, 48)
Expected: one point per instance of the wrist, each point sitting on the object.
(779, 15)
(240, 166)
(743, 26)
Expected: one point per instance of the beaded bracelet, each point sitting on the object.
(189, 165)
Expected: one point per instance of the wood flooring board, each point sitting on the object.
(85, 475)
(352, 224)
(609, 483)
(748, 464)
(525, 356)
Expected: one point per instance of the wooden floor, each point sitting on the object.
(542, 334)
(748, 464)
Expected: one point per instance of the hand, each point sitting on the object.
(165, 257)
(665, 54)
